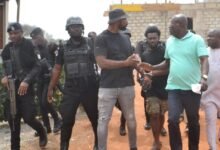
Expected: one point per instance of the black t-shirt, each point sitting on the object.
(154, 56)
(114, 46)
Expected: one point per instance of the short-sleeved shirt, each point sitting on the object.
(154, 56)
(114, 46)
(184, 59)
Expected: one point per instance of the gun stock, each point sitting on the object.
(12, 95)
(11, 90)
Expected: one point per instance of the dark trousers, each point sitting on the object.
(177, 101)
(25, 109)
(78, 91)
(45, 107)
(122, 118)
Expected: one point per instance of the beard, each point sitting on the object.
(76, 38)
(122, 28)
(76, 34)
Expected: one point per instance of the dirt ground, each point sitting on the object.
(82, 136)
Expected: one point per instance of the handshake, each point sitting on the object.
(135, 61)
(145, 69)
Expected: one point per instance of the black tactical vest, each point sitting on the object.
(145, 48)
(78, 62)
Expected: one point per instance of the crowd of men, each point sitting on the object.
(99, 76)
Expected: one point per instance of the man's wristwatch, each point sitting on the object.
(204, 76)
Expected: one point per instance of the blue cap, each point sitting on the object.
(14, 26)
(36, 31)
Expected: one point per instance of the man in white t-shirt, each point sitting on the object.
(211, 98)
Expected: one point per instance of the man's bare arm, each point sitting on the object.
(54, 79)
(204, 65)
(204, 71)
(162, 66)
(105, 63)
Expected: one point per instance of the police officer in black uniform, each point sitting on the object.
(46, 61)
(19, 53)
(53, 51)
(81, 85)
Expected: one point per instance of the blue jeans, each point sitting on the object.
(106, 103)
(177, 101)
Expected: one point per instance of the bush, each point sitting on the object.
(3, 96)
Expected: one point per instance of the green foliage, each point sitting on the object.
(58, 94)
(3, 96)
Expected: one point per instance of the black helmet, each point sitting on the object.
(74, 20)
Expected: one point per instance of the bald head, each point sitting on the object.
(213, 39)
(178, 26)
(181, 19)
(214, 32)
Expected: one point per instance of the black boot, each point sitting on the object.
(147, 126)
(163, 132)
(95, 147)
(48, 131)
(43, 138)
(134, 148)
(57, 125)
(64, 146)
(122, 130)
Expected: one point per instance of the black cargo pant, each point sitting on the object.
(45, 107)
(25, 109)
(83, 90)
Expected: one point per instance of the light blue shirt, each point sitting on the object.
(184, 53)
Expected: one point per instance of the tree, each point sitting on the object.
(28, 28)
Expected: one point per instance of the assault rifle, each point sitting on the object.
(11, 89)
(43, 61)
